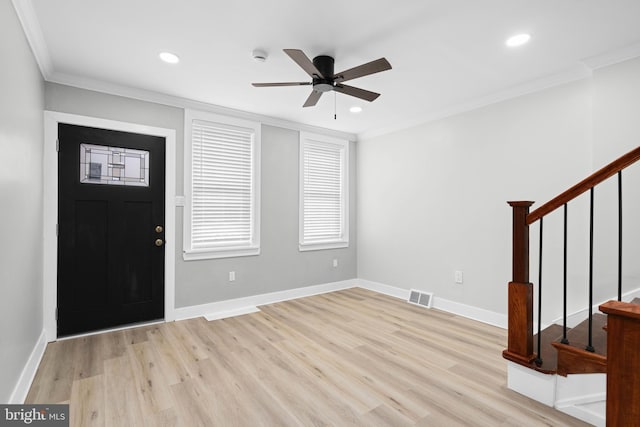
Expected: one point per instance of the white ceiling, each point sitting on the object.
(447, 55)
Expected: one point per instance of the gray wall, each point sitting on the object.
(280, 266)
(21, 104)
(441, 205)
(616, 95)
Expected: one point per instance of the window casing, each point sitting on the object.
(324, 192)
(222, 186)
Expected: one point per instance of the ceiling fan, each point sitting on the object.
(325, 80)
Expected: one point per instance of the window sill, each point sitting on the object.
(221, 253)
(303, 247)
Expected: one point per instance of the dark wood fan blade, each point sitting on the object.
(281, 84)
(312, 99)
(357, 92)
(304, 62)
(363, 70)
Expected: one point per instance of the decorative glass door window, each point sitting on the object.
(100, 164)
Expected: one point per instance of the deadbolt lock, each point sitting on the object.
(159, 229)
(159, 242)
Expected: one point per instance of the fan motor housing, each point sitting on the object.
(324, 79)
(325, 65)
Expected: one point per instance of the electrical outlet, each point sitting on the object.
(335, 262)
(458, 276)
(232, 276)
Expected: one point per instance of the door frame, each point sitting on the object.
(50, 209)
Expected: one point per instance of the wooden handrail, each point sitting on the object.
(623, 344)
(585, 185)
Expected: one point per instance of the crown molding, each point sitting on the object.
(32, 30)
(29, 20)
(179, 102)
(584, 69)
(578, 72)
(613, 57)
(31, 26)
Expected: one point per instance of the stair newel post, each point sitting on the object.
(520, 312)
(623, 363)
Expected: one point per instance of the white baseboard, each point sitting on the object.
(628, 296)
(238, 306)
(587, 414)
(475, 313)
(391, 291)
(471, 312)
(29, 371)
(578, 316)
(231, 313)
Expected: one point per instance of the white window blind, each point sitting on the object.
(223, 190)
(323, 195)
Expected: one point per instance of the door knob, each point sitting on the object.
(159, 242)
(159, 229)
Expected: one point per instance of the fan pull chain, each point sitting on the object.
(335, 114)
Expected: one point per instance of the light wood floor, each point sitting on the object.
(352, 357)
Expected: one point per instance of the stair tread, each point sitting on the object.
(578, 340)
(579, 335)
(548, 355)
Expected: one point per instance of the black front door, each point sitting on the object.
(111, 228)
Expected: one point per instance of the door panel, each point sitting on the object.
(110, 200)
(90, 246)
(138, 260)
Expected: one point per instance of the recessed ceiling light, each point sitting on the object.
(518, 40)
(355, 109)
(169, 57)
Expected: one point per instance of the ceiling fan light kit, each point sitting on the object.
(324, 64)
(321, 71)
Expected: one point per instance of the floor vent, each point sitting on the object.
(424, 299)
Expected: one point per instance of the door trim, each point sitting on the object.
(50, 209)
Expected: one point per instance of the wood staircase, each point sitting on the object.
(612, 339)
(572, 358)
